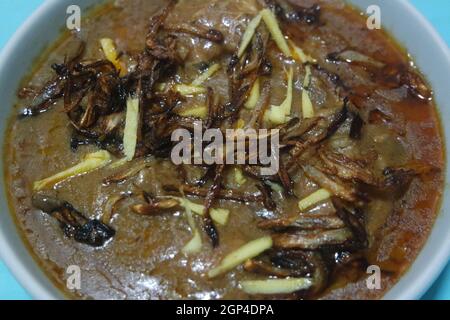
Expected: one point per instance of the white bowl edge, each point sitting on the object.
(432, 258)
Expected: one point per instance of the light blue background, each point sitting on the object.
(14, 12)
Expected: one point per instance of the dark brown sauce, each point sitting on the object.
(143, 260)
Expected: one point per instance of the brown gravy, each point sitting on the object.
(143, 260)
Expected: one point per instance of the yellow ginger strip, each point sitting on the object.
(118, 163)
(279, 114)
(189, 90)
(109, 49)
(195, 88)
(194, 207)
(248, 34)
(254, 95)
(239, 177)
(196, 112)
(240, 124)
(195, 244)
(244, 253)
(220, 216)
(275, 186)
(307, 80)
(161, 86)
(276, 116)
(274, 29)
(276, 286)
(286, 106)
(131, 127)
(206, 75)
(307, 106)
(299, 55)
(90, 163)
(314, 198)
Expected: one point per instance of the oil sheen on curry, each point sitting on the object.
(92, 182)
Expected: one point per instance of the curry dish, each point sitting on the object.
(91, 181)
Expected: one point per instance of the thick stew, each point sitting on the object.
(92, 181)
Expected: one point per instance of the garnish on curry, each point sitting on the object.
(92, 183)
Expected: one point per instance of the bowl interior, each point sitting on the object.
(17, 59)
(429, 52)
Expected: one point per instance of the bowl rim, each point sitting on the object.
(418, 282)
(8, 255)
(414, 290)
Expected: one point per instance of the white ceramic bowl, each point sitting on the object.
(398, 16)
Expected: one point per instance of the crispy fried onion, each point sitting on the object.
(74, 225)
